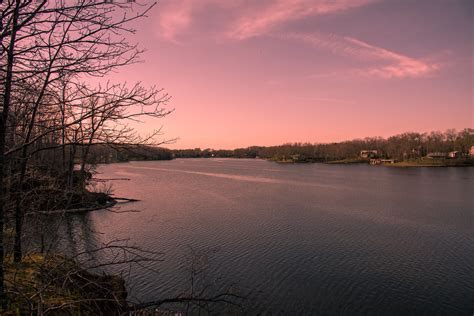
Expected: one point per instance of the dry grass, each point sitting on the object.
(55, 285)
(434, 163)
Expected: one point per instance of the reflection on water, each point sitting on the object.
(68, 234)
(304, 239)
(237, 177)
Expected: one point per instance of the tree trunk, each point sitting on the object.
(3, 129)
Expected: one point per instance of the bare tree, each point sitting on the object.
(43, 45)
(51, 118)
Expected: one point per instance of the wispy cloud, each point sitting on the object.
(384, 63)
(259, 22)
(326, 100)
(241, 19)
(245, 19)
(175, 18)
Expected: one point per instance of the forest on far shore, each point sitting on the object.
(405, 146)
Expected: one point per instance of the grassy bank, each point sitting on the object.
(464, 162)
(348, 161)
(284, 160)
(56, 285)
(434, 163)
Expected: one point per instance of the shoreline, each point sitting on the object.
(400, 164)
(408, 164)
(109, 204)
(348, 161)
(110, 201)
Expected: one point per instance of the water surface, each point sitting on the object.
(303, 238)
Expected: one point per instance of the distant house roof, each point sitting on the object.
(368, 153)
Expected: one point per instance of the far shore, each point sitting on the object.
(435, 163)
(464, 162)
(414, 163)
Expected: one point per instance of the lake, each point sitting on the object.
(301, 239)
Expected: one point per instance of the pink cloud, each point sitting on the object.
(400, 65)
(259, 22)
(174, 18)
(389, 64)
(245, 20)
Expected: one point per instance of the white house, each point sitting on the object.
(454, 154)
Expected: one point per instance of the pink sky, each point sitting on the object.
(267, 72)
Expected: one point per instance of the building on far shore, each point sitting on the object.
(437, 155)
(369, 154)
(455, 154)
(471, 152)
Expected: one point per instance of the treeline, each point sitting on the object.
(404, 146)
(123, 153)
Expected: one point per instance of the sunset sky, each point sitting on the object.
(267, 72)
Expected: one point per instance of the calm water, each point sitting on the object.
(302, 239)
